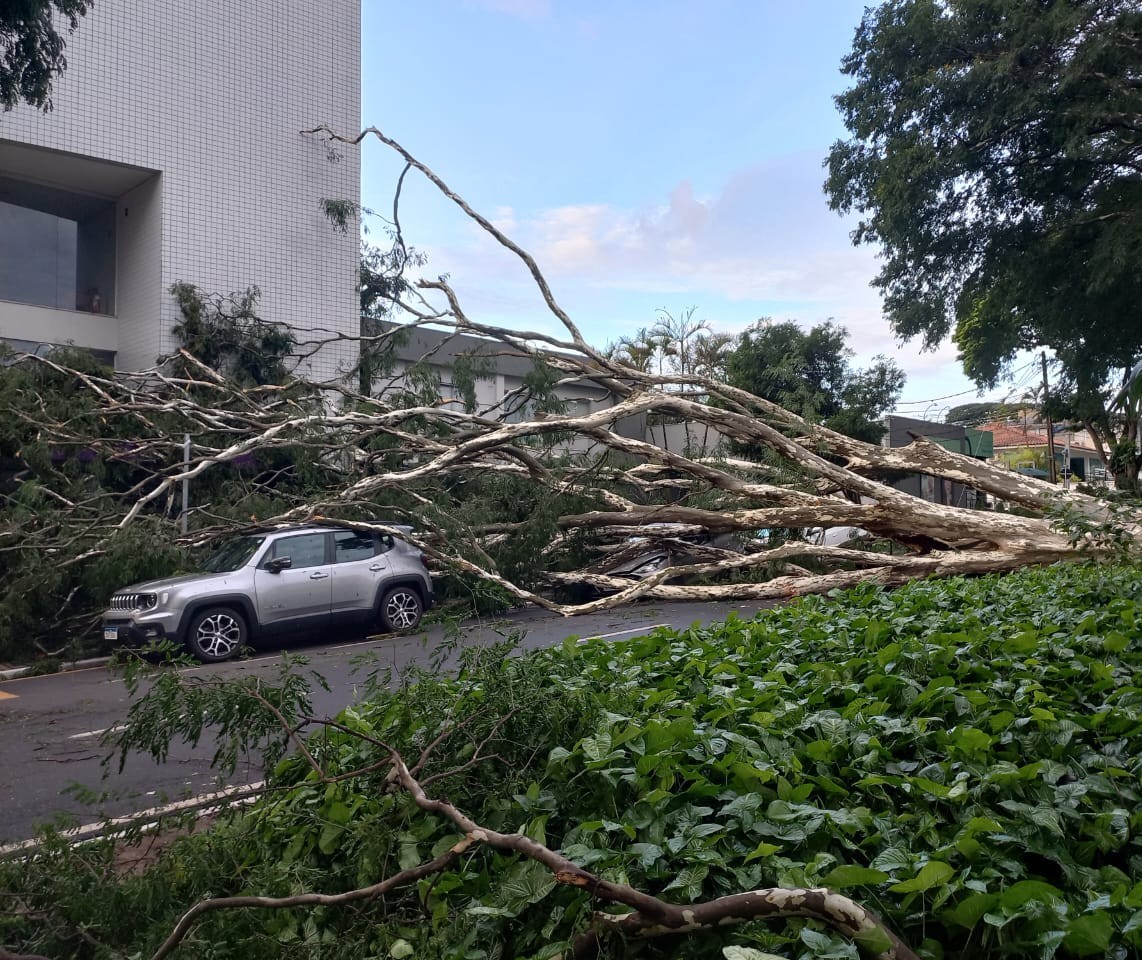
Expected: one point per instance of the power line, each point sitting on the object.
(950, 396)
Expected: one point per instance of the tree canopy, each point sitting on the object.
(996, 159)
(31, 48)
(809, 372)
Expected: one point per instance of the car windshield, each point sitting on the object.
(232, 555)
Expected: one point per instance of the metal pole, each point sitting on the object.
(1050, 426)
(185, 481)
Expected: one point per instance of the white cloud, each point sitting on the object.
(766, 238)
(765, 244)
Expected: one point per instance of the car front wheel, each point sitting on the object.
(215, 634)
(401, 609)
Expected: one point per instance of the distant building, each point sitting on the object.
(1023, 447)
(901, 431)
(174, 153)
(500, 388)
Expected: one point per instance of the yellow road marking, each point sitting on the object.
(8, 696)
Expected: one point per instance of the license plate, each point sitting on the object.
(110, 633)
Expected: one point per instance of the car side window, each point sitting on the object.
(350, 545)
(304, 550)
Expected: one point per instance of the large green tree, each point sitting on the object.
(996, 159)
(31, 48)
(810, 373)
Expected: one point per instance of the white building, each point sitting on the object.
(500, 389)
(174, 153)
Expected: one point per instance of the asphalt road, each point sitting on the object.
(51, 727)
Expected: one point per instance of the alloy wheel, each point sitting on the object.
(402, 610)
(219, 635)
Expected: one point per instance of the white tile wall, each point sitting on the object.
(212, 94)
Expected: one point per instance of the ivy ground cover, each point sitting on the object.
(962, 756)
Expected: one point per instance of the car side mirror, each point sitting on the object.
(278, 564)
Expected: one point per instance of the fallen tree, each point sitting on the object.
(646, 917)
(398, 454)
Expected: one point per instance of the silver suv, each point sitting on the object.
(306, 578)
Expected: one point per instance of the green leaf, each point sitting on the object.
(762, 850)
(689, 881)
(852, 876)
(892, 858)
(647, 853)
(408, 856)
(873, 942)
(1089, 934)
(969, 911)
(932, 874)
(1026, 891)
(401, 949)
(528, 883)
(826, 947)
(330, 838)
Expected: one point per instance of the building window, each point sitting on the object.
(105, 357)
(57, 249)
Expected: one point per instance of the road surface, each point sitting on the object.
(51, 727)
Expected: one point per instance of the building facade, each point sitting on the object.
(1024, 447)
(900, 431)
(174, 153)
(500, 389)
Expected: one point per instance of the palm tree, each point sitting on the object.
(678, 334)
(711, 354)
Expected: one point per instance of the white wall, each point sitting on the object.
(25, 321)
(212, 95)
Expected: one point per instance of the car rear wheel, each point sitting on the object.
(216, 634)
(401, 609)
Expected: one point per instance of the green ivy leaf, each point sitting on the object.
(689, 881)
(1089, 934)
(932, 874)
(852, 876)
(762, 850)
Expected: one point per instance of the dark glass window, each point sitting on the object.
(351, 545)
(232, 555)
(304, 550)
(57, 249)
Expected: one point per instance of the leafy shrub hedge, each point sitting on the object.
(965, 757)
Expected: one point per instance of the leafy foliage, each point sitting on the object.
(809, 373)
(31, 48)
(962, 755)
(227, 334)
(994, 158)
(678, 343)
(57, 489)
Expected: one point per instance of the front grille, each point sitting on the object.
(133, 601)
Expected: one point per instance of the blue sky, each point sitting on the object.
(649, 154)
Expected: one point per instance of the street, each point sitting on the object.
(51, 727)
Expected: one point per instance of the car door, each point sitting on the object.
(299, 595)
(359, 567)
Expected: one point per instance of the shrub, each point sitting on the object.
(964, 756)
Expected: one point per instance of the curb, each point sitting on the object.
(15, 673)
(205, 803)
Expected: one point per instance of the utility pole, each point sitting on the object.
(1050, 426)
